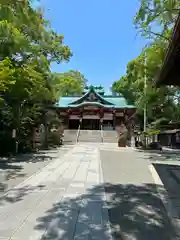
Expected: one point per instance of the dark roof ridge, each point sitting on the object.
(170, 50)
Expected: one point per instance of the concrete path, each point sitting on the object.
(134, 197)
(92, 192)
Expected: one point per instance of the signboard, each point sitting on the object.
(120, 114)
(91, 107)
(91, 117)
(74, 117)
(42, 128)
(63, 113)
(14, 133)
(108, 116)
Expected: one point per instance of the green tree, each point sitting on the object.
(6, 76)
(70, 83)
(28, 46)
(160, 102)
(155, 18)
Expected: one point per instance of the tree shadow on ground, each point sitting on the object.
(16, 167)
(3, 187)
(139, 212)
(167, 165)
(18, 194)
(34, 157)
(8, 171)
(156, 155)
(167, 171)
(170, 176)
(12, 169)
(135, 212)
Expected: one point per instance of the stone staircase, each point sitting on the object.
(90, 136)
(109, 136)
(70, 136)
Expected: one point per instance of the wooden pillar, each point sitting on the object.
(81, 117)
(68, 121)
(130, 124)
(125, 117)
(114, 120)
(101, 115)
(69, 112)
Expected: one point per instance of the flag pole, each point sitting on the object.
(145, 104)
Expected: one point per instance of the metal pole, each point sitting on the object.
(145, 105)
(20, 115)
(45, 130)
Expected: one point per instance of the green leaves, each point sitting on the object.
(69, 83)
(28, 46)
(154, 20)
(133, 88)
(155, 17)
(24, 32)
(6, 75)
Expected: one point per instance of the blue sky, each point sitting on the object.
(100, 34)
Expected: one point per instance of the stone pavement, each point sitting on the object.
(16, 169)
(92, 192)
(59, 202)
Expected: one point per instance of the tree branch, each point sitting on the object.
(159, 35)
(156, 34)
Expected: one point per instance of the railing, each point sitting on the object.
(102, 133)
(78, 133)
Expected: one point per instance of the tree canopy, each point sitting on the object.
(28, 46)
(70, 83)
(154, 19)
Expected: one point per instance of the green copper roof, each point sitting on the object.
(91, 103)
(105, 101)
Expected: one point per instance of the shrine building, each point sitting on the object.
(95, 110)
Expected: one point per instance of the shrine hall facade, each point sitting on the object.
(95, 110)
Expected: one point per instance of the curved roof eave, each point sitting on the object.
(92, 90)
(91, 103)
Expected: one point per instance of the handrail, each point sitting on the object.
(102, 137)
(78, 133)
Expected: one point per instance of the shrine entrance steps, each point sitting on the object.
(90, 136)
(72, 136)
(109, 136)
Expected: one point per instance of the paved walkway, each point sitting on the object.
(16, 169)
(92, 192)
(167, 165)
